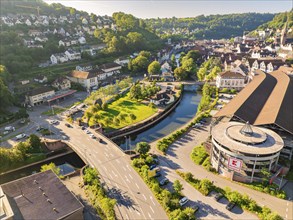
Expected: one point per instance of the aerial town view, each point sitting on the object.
(140, 110)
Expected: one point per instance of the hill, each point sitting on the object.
(208, 27)
(279, 21)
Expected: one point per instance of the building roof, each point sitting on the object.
(260, 141)
(40, 90)
(82, 74)
(109, 65)
(36, 196)
(266, 100)
(230, 74)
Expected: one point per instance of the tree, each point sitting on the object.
(143, 148)
(72, 11)
(173, 61)
(213, 74)
(201, 73)
(138, 64)
(135, 92)
(177, 186)
(53, 167)
(132, 116)
(104, 106)
(144, 53)
(116, 121)
(188, 65)
(5, 96)
(35, 143)
(154, 68)
(194, 54)
(180, 73)
(266, 175)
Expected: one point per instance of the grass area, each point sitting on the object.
(56, 111)
(46, 132)
(200, 156)
(127, 106)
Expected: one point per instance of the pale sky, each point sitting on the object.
(165, 8)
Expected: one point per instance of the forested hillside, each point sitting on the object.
(279, 21)
(208, 27)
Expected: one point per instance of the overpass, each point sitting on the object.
(134, 199)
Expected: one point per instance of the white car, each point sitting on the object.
(53, 122)
(20, 136)
(183, 201)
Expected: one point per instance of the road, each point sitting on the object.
(134, 199)
(178, 157)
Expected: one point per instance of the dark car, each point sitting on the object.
(39, 128)
(83, 128)
(163, 182)
(68, 125)
(153, 166)
(230, 206)
(158, 174)
(218, 196)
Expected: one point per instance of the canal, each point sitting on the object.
(183, 113)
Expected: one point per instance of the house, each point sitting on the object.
(122, 61)
(84, 67)
(58, 58)
(34, 33)
(81, 40)
(24, 82)
(73, 54)
(28, 22)
(231, 80)
(64, 42)
(39, 95)
(39, 196)
(84, 21)
(86, 79)
(41, 38)
(61, 83)
(111, 68)
(41, 79)
(239, 67)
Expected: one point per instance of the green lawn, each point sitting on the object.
(126, 106)
(56, 111)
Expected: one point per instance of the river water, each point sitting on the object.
(183, 113)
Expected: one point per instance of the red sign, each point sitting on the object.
(234, 164)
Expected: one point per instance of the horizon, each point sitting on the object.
(153, 9)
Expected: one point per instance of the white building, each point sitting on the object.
(58, 58)
(73, 54)
(39, 95)
(61, 83)
(86, 79)
(231, 80)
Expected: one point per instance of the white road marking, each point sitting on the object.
(116, 185)
(114, 173)
(152, 209)
(137, 212)
(130, 210)
(118, 161)
(149, 215)
(127, 216)
(130, 176)
(105, 168)
(137, 185)
(144, 197)
(128, 167)
(127, 179)
(152, 200)
(106, 154)
(110, 176)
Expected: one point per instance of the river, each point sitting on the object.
(183, 113)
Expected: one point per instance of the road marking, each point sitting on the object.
(116, 185)
(112, 155)
(114, 173)
(128, 167)
(127, 179)
(106, 154)
(130, 210)
(152, 200)
(127, 216)
(105, 168)
(110, 176)
(144, 197)
(137, 212)
(137, 185)
(118, 161)
(124, 168)
(149, 215)
(152, 209)
(130, 176)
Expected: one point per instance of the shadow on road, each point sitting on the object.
(205, 209)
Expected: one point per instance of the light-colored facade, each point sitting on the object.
(61, 83)
(38, 96)
(253, 147)
(231, 80)
(86, 79)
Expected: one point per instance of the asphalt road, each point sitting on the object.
(134, 198)
(178, 157)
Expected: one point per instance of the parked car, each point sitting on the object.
(195, 207)
(54, 122)
(153, 166)
(92, 136)
(20, 136)
(158, 174)
(39, 128)
(9, 128)
(163, 182)
(83, 128)
(230, 206)
(218, 196)
(183, 201)
(87, 132)
(68, 125)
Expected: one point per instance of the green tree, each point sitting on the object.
(72, 11)
(194, 54)
(142, 148)
(266, 175)
(180, 73)
(135, 92)
(53, 167)
(214, 72)
(177, 186)
(35, 143)
(189, 65)
(154, 68)
(132, 116)
(5, 96)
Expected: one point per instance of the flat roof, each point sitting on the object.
(36, 196)
(263, 141)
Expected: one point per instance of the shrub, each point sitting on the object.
(199, 154)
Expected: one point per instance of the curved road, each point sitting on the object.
(134, 199)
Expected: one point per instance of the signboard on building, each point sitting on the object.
(234, 164)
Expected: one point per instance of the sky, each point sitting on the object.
(165, 8)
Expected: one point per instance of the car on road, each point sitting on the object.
(9, 128)
(54, 122)
(20, 136)
(230, 206)
(197, 125)
(183, 201)
(83, 128)
(40, 128)
(218, 196)
(153, 166)
(195, 208)
(64, 137)
(158, 174)
(163, 182)
(87, 132)
(92, 136)
(68, 125)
